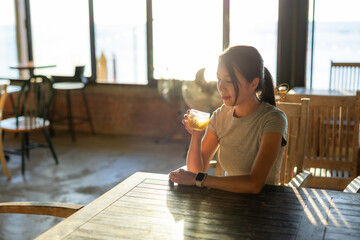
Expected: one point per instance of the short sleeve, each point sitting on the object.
(276, 122)
(212, 124)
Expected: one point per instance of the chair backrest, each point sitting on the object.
(35, 97)
(297, 115)
(78, 76)
(344, 76)
(79, 71)
(333, 138)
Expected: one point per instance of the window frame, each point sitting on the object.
(149, 39)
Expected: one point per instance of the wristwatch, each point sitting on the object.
(199, 179)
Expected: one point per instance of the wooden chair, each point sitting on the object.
(292, 172)
(32, 109)
(3, 95)
(333, 140)
(67, 85)
(63, 210)
(344, 76)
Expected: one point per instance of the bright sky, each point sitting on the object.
(7, 12)
(336, 10)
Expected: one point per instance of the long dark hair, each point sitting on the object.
(249, 63)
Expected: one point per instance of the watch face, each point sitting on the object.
(200, 176)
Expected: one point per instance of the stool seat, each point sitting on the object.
(13, 89)
(68, 85)
(65, 85)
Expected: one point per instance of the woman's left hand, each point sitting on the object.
(183, 177)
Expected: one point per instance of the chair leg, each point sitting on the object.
(88, 112)
(70, 118)
(3, 161)
(48, 139)
(23, 146)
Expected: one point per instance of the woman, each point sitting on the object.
(248, 129)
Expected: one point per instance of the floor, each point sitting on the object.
(88, 168)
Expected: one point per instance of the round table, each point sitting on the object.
(31, 67)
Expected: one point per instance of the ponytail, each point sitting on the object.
(266, 88)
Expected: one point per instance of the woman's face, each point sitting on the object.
(226, 87)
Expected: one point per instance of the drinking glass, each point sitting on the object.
(198, 120)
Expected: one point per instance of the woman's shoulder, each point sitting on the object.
(271, 111)
(223, 110)
(268, 108)
(221, 115)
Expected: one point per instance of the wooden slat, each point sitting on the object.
(326, 182)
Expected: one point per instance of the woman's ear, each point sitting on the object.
(254, 84)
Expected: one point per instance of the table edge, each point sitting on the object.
(67, 226)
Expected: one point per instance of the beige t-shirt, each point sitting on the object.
(240, 137)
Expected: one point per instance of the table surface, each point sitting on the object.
(147, 206)
(32, 66)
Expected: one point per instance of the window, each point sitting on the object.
(336, 37)
(187, 36)
(120, 38)
(60, 35)
(8, 47)
(255, 23)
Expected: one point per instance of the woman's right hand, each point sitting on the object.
(185, 121)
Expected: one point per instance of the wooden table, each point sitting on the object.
(146, 206)
(307, 92)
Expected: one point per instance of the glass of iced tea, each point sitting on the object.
(198, 120)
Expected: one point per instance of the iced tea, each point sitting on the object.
(198, 120)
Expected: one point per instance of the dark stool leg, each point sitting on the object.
(88, 112)
(52, 115)
(12, 103)
(48, 139)
(27, 145)
(70, 118)
(13, 107)
(23, 145)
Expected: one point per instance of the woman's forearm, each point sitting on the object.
(194, 160)
(238, 184)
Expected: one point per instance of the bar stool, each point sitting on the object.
(66, 85)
